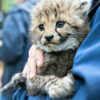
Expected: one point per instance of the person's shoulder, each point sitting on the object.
(24, 7)
(14, 9)
(27, 6)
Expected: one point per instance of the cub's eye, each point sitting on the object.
(41, 27)
(60, 24)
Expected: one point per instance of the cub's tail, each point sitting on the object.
(7, 87)
(18, 80)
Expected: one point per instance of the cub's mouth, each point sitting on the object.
(62, 44)
(50, 40)
(50, 45)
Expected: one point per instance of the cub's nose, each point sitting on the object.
(49, 37)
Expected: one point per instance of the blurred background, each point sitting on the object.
(5, 7)
(14, 39)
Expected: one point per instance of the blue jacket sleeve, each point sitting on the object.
(22, 95)
(12, 37)
(86, 68)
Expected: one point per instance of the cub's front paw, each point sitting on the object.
(32, 86)
(19, 80)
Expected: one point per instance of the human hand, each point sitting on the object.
(35, 60)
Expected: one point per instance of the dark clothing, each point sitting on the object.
(95, 5)
(16, 43)
(86, 68)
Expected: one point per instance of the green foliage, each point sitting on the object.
(8, 4)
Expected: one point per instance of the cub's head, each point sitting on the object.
(59, 24)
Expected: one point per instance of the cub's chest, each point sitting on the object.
(57, 63)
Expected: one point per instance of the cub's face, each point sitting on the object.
(59, 24)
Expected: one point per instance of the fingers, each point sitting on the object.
(32, 51)
(39, 58)
(25, 68)
(35, 60)
(30, 68)
(33, 68)
(37, 54)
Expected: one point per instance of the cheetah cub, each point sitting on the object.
(58, 27)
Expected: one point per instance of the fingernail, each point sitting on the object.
(31, 75)
(38, 63)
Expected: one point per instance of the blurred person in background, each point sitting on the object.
(15, 42)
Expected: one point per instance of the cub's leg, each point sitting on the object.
(55, 87)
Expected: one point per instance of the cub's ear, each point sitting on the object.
(85, 6)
